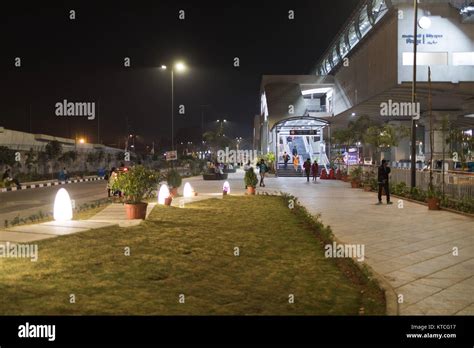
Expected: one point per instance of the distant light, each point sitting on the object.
(226, 187)
(62, 206)
(180, 66)
(163, 67)
(188, 190)
(163, 194)
(225, 120)
(353, 114)
(82, 140)
(424, 22)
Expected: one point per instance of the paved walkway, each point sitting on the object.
(410, 246)
(112, 215)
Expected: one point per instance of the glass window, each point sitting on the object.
(334, 56)
(364, 24)
(352, 36)
(343, 48)
(327, 65)
(379, 8)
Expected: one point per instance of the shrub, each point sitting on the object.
(136, 184)
(250, 178)
(173, 178)
(356, 174)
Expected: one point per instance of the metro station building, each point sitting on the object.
(369, 63)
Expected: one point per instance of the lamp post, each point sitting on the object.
(413, 96)
(179, 68)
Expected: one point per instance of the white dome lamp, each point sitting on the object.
(424, 22)
(62, 206)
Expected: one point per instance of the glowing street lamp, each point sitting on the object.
(62, 206)
(179, 67)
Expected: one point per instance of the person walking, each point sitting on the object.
(315, 171)
(307, 168)
(383, 173)
(296, 162)
(295, 150)
(286, 158)
(263, 170)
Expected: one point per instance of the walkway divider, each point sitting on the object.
(48, 184)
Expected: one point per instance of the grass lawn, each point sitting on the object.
(190, 251)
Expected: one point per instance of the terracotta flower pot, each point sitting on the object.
(168, 200)
(173, 191)
(367, 187)
(433, 203)
(136, 211)
(355, 184)
(250, 190)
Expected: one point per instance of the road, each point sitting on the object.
(25, 203)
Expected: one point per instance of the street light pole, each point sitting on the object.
(413, 96)
(172, 108)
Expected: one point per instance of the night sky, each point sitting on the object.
(82, 60)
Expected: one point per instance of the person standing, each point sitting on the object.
(383, 175)
(263, 170)
(307, 168)
(315, 170)
(286, 158)
(296, 162)
(295, 150)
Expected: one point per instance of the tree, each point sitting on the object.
(381, 138)
(216, 140)
(31, 159)
(53, 150)
(7, 156)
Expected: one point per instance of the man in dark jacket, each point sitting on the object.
(383, 173)
(307, 168)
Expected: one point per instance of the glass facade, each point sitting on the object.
(368, 15)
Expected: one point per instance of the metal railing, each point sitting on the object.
(457, 185)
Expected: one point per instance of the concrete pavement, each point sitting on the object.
(112, 215)
(427, 257)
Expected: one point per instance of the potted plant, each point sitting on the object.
(355, 177)
(433, 198)
(136, 184)
(369, 176)
(251, 181)
(174, 181)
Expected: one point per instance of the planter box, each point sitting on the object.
(136, 211)
(214, 176)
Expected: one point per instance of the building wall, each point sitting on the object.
(446, 35)
(371, 68)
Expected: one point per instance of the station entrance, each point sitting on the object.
(301, 138)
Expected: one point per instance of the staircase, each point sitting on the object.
(289, 171)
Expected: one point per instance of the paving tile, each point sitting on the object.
(20, 237)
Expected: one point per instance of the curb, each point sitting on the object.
(391, 300)
(49, 184)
